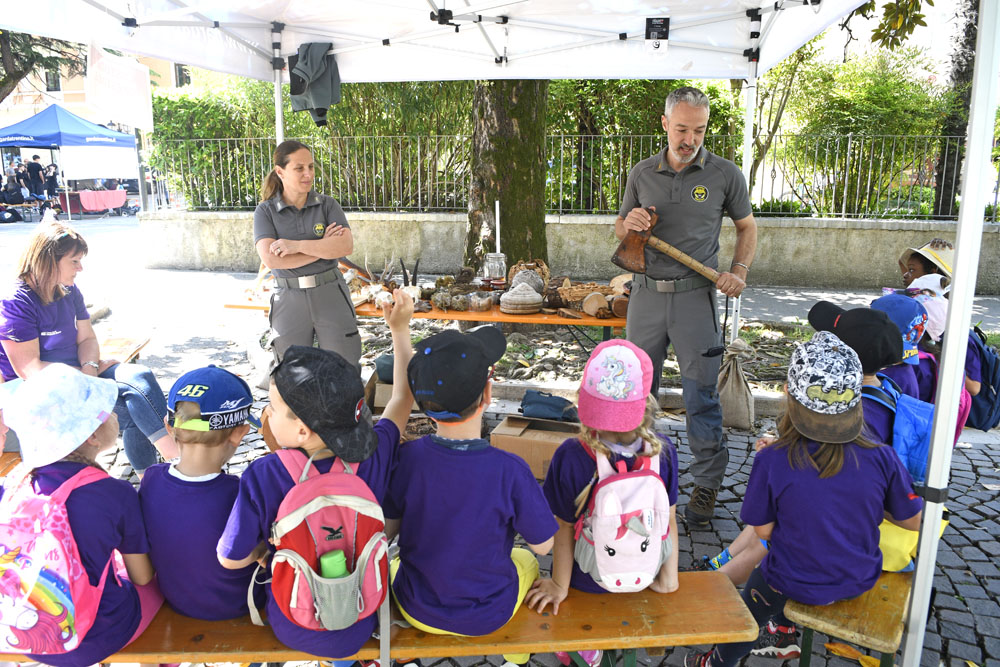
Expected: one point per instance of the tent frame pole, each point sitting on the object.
(951, 379)
(278, 64)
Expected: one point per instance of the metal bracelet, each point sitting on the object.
(740, 264)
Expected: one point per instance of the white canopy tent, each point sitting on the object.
(416, 40)
(398, 40)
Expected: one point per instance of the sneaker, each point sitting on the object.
(777, 641)
(701, 507)
(698, 659)
(592, 658)
(703, 565)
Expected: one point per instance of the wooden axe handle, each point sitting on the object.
(684, 258)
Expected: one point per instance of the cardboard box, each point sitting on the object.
(534, 440)
(377, 395)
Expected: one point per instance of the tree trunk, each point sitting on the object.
(952, 151)
(508, 164)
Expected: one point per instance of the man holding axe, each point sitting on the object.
(679, 196)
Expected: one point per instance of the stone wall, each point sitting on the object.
(803, 252)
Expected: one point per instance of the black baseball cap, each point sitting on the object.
(324, 390)
(451, 368)
(867, 331)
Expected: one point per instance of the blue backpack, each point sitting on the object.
(985, 412)
(911, 425)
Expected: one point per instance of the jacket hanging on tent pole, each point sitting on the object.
(315, 80)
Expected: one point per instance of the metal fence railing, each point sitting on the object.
(884, 176)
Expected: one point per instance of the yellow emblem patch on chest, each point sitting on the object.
(319, 228)
(699, 193)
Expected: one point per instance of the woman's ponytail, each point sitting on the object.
(271, 185)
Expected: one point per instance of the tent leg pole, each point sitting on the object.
(749, 114)
(967, 250)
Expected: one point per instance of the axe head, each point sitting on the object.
(631, 252)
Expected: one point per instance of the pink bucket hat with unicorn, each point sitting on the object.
(616, 381)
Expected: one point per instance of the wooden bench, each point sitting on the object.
(873, 620)
(707, 609)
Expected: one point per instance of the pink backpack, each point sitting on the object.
(323, 512)
(47, 604)
(622, 537)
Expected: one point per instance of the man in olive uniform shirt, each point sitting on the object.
(690, 189)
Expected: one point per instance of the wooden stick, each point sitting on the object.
(684, 258)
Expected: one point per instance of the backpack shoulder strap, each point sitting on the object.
(86, 476)
(300, 467)
(879, 395)
(586, 448)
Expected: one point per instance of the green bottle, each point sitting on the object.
(333, 564)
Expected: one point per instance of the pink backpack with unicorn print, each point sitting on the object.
(622, 536)
(47, 603)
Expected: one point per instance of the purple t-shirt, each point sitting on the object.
(263, 486)
(878, 421)
(973, 364)
(184, 521)
(572, 469)
(926, 372)
(458, 512)
(104, 516)
(23, 318)
(905, 376)
(825, 542)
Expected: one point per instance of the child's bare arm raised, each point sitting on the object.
(397, 316)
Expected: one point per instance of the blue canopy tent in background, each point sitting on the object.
(85, 148)
(55, 127)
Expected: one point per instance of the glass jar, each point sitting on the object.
(495, 266)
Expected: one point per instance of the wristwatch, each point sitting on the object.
(93, 364)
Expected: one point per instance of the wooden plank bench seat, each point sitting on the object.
(873, 620)
(705, 610)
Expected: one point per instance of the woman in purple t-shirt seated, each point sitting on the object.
(820, 480)
(43, 320)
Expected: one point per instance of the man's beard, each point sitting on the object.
(684, 160)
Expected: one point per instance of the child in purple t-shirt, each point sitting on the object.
(458, 502)
(616, 420)
(185, 505)
(317, 405)
(64, 419)
(819, 479)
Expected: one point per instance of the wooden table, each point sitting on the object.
(489, 316)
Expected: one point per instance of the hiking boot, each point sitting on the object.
(698, 659)
(777, 641)
(701, 507)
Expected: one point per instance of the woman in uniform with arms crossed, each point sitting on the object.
(300, 235)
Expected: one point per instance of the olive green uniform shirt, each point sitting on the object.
(690, 206)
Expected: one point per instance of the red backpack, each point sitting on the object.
(321, 513)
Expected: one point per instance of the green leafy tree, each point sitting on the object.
(865, 124)
(22, 55)
(897, 23)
